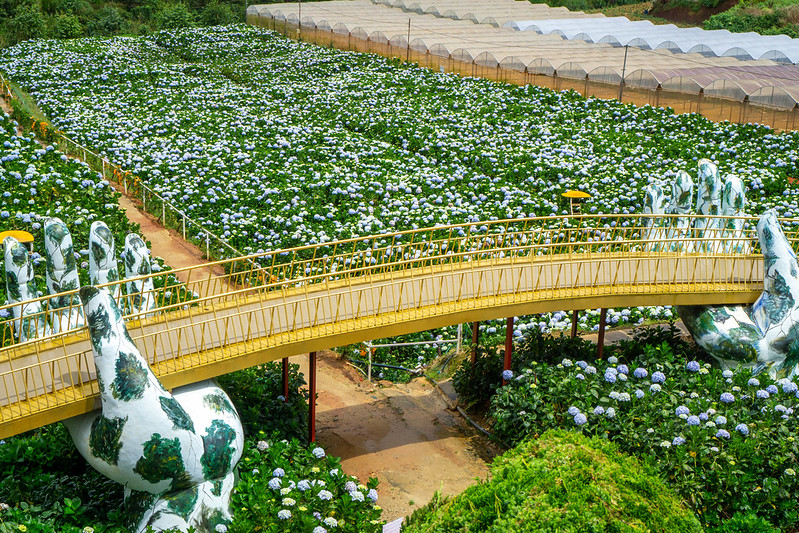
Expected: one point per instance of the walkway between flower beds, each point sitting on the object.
(403, 434)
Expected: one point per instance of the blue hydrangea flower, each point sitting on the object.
(727, 374)
(325, 495)
(318, 452)
(599, 410)
(350, 486)
(789, 387)
(623, 369)
(590, 369)
(722, 434)
(693, 420)
(678, 441)
(693, 366)
(274, 483)
(566, 362)
(654, 388)
(573, 411)
(658, 377)
(507, 374)
(721, 420)
(278, 472)
(303, 485)
(580, 419)
(762, 394)
(640, 373)
(639, 393)
(582, 364)
(357, 496)
(372, 495)
(610, 413)
(772, 389)
(780, 408)
(610, 377)
(580, 376)
(682, 410)
(319, 529)
(624, 397)
(613, 359)
(743, 429)
(726, 397)
(703, 416)
(753, 382)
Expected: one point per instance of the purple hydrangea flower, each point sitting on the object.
(507, 374)
(573, 411)
(580, 419)
(678, 441)
(703, 417)
(721, 420)
(278, 472)
(726, 397)
(743, 429)
(623, 369)
(581, 364)
(722, 434)
(682, 410)
(763, 394)
(372, 495)
(753, 382)
(658, 377)
(692, 366)
(599, 410)
(639, 393)
(640, 373)
(693, 420)
(772, 389)
(789, 387)
(350, 486)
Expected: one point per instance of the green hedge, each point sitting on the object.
(560, 482)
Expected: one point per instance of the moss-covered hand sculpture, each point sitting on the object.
(764, 335)
(175, 454)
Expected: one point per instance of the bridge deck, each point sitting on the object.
(43, 381)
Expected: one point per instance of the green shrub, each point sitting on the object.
(725, 441)
(744, 523)
(108, 21)
(26, 23)
(561, 482)
(65, 27)
(174, 16)
(214, 14)
(257, 394)
(280, 476)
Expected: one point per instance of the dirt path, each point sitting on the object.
(403, 434)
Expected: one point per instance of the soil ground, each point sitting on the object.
(403, 434)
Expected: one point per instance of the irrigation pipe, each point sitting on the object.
(387, 366)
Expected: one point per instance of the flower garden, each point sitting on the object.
(273, 143)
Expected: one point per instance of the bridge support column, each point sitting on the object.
(285, 378)
(600, 340)
(475, 340)
(508, 346)
(312, 397)
(574, 324)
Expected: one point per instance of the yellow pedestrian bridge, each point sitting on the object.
(250, 310)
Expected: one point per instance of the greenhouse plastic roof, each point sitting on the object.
(762, 81)
(620, 31)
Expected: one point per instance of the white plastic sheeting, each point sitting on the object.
(761, 82)
(620, 31)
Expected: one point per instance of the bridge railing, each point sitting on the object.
(402, 251)
(293, 296)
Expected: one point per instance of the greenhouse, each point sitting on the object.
(620, 31)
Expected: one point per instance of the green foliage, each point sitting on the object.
(279, 475)
(744, 523)
(257, 394)
(215, 13)
(768, 17)
(27, 22)
(66, 27)
(109, 21)
(174, 16)
(736, 453)
(560, 482)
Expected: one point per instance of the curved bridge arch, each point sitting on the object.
(268, 306)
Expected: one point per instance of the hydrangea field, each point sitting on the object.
(273, 143)
(726, 441)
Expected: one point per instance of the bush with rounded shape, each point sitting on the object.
(562, 482)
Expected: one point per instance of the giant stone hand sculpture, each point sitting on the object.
(764, 335)
(179, 449)
(175, 454)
